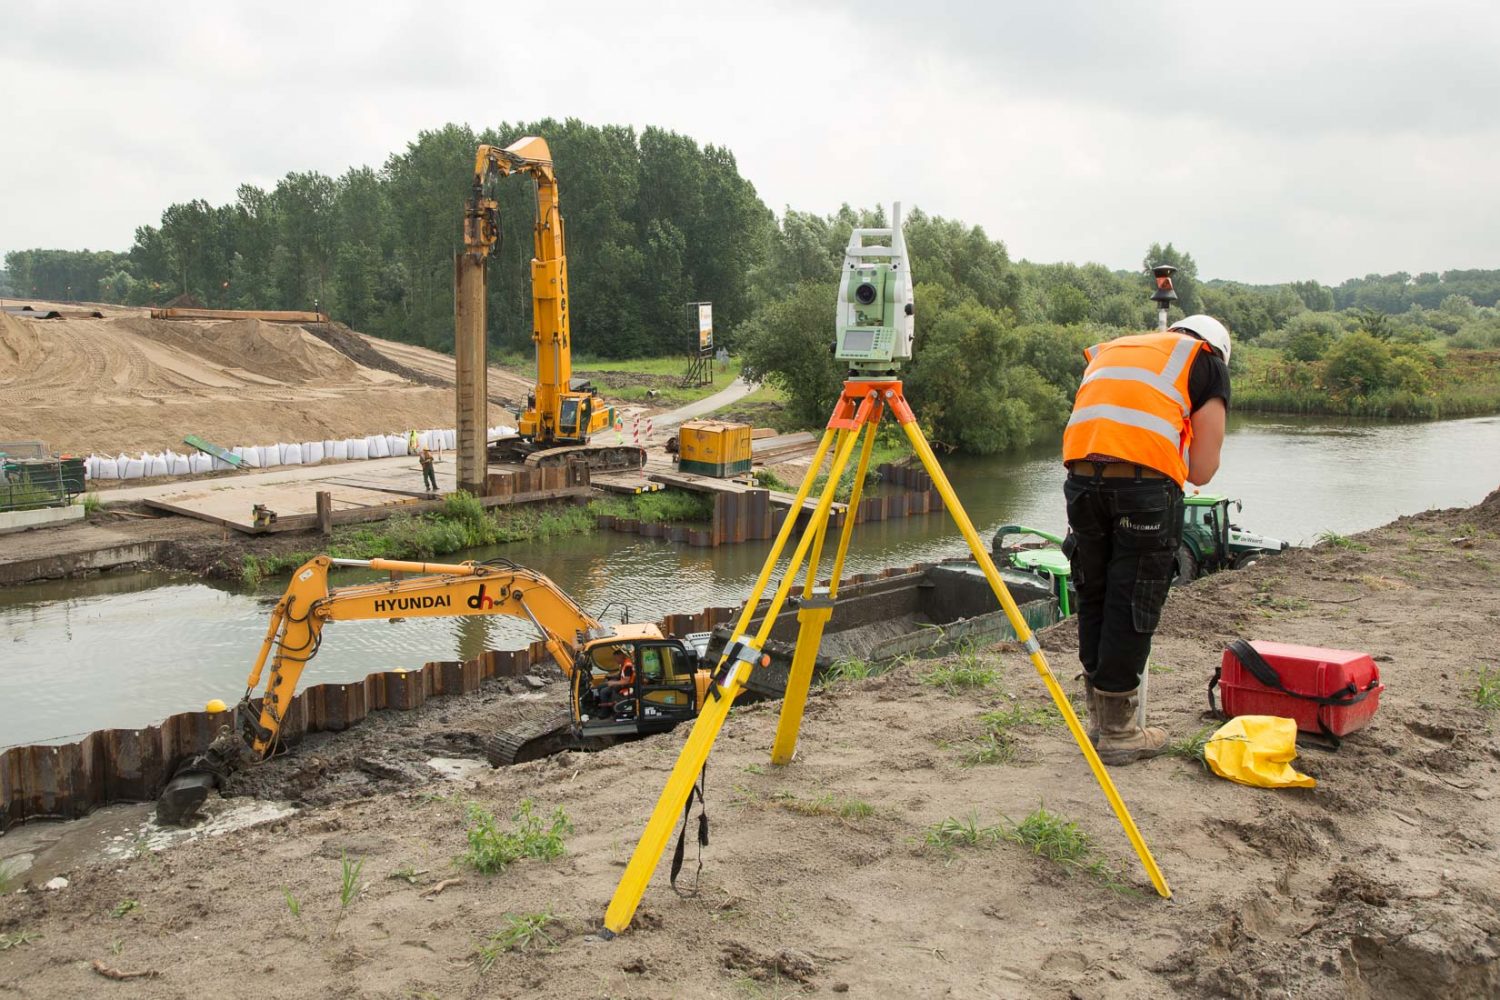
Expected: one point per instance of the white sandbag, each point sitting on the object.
(156, 465)
(397, 444)
(89, 464)
(327, 449)
(134, 469)
(291, 454)
(359, 449)
(312, 452)
(106, 468)
(339, 450)
(380, 447)
(270, 455)
(181, 466)
(250, 455)
(200, 463)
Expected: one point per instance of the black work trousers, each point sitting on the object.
(1122, 539)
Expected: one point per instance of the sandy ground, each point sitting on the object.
(130, 383)
(1381, 882)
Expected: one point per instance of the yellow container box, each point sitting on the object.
(713, 448)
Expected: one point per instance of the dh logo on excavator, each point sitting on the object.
(481, 601)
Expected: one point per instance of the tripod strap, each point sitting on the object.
(699, 791)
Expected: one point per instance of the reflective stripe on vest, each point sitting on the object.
(1133, 403)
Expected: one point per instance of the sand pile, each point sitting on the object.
(129, 383)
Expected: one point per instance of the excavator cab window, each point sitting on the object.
(567, 419)
(667, 680)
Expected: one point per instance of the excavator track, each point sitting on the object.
(530, 740)
(598, 457)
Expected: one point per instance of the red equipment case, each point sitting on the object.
(1332, 692)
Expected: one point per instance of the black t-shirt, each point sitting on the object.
(1209, 379)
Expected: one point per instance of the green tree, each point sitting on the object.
(1358, 364)
(789, 344)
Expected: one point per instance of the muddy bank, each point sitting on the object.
(822, 877)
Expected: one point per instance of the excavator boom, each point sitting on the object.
(295, 632)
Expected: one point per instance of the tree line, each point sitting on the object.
(655, 221)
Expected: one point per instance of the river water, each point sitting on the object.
(125, 650)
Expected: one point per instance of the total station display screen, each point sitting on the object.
(859, 340)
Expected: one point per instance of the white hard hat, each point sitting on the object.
(1207, 329)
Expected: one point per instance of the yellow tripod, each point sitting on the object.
(859, 408)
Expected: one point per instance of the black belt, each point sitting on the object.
(1127, 470)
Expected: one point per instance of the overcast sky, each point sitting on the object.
(1273, 140)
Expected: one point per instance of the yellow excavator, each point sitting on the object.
(562, 413)
(670, 684)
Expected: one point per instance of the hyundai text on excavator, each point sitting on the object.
(670, 685)
(562, 412)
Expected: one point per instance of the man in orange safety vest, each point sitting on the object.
(1149, 416)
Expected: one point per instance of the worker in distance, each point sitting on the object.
(1148, 417)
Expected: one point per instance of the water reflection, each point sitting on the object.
(128, 649)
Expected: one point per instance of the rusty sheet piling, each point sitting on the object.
(67, 781)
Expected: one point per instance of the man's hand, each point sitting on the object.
(1208, 441)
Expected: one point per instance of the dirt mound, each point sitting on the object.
(281, 351)
(129, 383)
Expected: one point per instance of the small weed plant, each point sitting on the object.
(1058, 839)
(521, 932)
(349, 886)
(1338, 541)
(991, 748)
(841, 671)
(17, 939)
(960, 676)
(848, 810)
(293, 904)
(7, 877)
(1486, 693)
(407, 874)
(91, 503)
(1190, 747)
(492, 849)
(125, 907)
(967, 832)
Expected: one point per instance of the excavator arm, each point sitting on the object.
(296, 625)
(296, 629)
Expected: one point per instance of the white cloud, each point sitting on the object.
(1274, 142)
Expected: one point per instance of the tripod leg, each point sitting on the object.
(729, 682)
(813, 617)
(1033, 648)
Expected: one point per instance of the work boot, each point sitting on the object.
(1091, 703)
(1121, 740)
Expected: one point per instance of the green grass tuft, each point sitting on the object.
(521, 932)
(16, 940)
(961, 676)
(492, 849)
(1486, 692)
(1339, 541)
(954, 832)
(841, 671)
(1060, 840)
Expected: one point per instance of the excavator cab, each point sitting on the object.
(668, 688)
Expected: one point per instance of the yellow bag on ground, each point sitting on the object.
(1257, 750)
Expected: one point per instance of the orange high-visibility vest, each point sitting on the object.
(1133, 403)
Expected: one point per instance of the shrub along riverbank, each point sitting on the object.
(464, 523)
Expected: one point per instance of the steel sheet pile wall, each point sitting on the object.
(131, 765)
